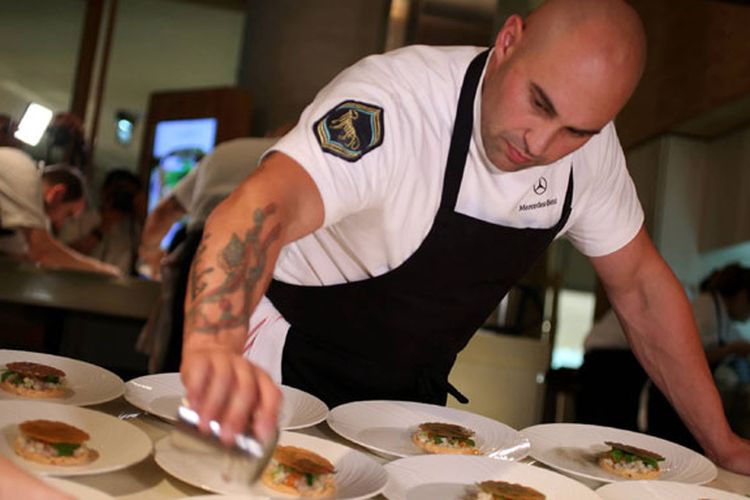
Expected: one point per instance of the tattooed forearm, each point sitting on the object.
(197, 283)
(242, 261)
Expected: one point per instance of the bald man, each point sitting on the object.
(420, 185)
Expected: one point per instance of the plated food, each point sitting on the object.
(34, 380)
(301, 472)
(53, 443)
(577, 448)
(502, 490)
(630, 462)
(356, 476)
(52, 439)
(386, 427)
(439, 437)
(32, 375)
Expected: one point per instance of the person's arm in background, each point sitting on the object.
(165, 214)
(277, 204)
(88, 242)
(658, 321)
(17, 483)
(48, 252)
(158, 222)
(738, 347)
(95, 224)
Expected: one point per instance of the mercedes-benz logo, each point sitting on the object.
(541, 186)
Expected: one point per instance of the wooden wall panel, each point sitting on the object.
(699, 59)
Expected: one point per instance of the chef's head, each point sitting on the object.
(63, 190)
(557, 78)
(732, 284)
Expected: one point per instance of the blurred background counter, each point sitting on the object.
(84, 315)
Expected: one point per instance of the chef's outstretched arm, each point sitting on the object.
(277, 204)
(658, 321)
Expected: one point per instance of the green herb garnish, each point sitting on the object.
(6, 374)
(310, 478)
(65, 449)
(54, 379)
(437, 440)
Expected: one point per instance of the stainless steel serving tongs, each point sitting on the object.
(246, 457)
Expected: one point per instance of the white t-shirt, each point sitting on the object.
(21, 201)
(379, 209)
(217, 174)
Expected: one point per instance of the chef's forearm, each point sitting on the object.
(658, 320)
(663, 335)
(230, 271)
(242, 240)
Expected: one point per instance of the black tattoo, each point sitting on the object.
(197, 284)
(242, 261)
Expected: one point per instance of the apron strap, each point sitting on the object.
(461, 137)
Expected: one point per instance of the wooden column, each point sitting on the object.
(86, 57)
(292, 49)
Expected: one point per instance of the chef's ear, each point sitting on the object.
(509, 36)
(54, 194)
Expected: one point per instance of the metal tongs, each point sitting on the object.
(246, 457)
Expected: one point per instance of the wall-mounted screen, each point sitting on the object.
(178, 147)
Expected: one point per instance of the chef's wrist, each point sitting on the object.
(720, 444)
(226, 341)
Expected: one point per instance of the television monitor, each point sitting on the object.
(178, 147)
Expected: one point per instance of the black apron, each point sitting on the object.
(396, 336)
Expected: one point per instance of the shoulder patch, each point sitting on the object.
(350, 130)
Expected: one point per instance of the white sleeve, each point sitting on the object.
(184, 189)
(611, 214)
(352, 167)
(21, 201)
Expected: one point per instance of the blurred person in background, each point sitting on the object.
(213, 178)
(112, 233)
(35, 202)
(613, 383)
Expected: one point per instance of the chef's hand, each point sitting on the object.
(222, 385)
(734, 455)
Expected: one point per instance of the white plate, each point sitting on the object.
(450, 477)
(86, 384)
(300, 409)
(662, 490)
(357, 476)
(118, 443)
(572, 448)
(161, 394)
(386, 427)
(78, 491)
